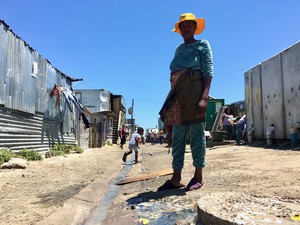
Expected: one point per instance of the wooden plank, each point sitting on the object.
(218, 119)
(145, 177)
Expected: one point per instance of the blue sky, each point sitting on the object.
(126, 46)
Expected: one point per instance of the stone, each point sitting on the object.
(15, 163)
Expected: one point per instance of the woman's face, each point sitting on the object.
(187, 28)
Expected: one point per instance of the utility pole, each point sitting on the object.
(132, 124)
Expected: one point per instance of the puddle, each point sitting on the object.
(157, 213)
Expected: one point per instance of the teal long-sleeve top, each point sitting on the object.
(197, 55)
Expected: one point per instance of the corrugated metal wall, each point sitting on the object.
(272, 91)
(28, 115)
(20, 130)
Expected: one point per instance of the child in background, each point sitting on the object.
(134, 142)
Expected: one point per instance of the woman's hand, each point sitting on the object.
(201, 108)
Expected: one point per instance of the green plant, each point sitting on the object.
(63, 149)
(60, 149)
(57, 149)
(78, 149)
(30, 155)
(109, 142)
(5, 155)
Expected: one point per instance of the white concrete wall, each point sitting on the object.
(272, 93)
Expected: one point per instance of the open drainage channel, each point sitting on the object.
(153, 212)
(99, 213)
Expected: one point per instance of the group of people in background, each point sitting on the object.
(227, 123)
(136, 139)
(154, 137)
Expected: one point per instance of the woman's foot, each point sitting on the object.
(168, 185)
(194, 185)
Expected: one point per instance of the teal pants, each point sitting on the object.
(197, 144)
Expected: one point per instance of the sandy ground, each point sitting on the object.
(254, 184)
(57, 190)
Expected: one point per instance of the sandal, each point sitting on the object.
(124, 157)
(168, 186)
(193, 185)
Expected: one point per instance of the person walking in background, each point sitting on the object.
(227, 122)
(122, 135)
(135, 140)
(161, 136)
(152, 137)
(241, 130)
(169, 140)
(165, 138)
(155, 138)
(185, 106)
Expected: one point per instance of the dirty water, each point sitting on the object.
(158, 213)
(154, 212)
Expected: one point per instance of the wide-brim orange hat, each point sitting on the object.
(190, 16)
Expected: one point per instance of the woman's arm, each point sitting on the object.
(204, 98)
(206, 61)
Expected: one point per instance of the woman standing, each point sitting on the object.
(227, 122)
(185, 106)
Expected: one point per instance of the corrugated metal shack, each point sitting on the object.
(29, 117)
(272, 91)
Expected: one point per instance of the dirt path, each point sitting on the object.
(58, 190)
(243, 184)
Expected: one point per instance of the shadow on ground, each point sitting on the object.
(151, 195)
